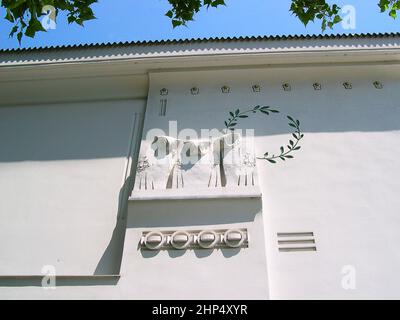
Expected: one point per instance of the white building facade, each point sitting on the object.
(121, 179)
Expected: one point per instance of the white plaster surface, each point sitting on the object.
(61, 171)
(342, 185)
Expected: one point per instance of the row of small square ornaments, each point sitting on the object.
(285, 86)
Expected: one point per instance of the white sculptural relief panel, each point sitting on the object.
(218, 162)
(225, 161)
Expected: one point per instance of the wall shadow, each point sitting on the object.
(62, 281)
(110, 261)
(177, 213)
(65, 131)
(199, 253)
(94, 130)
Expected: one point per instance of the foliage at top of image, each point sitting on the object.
(25, 14)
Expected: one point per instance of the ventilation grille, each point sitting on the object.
(296, 241)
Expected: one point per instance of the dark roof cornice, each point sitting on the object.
(207, 40)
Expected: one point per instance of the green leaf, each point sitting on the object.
(176, 23)
(16, 4)
(323, 25)
(13, 31)
(33, 27)
(9, 16)
(70, 19)
(19, 37)
(169, 14)
(337, 19)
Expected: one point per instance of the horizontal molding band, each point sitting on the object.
(27, 277)
(181, 194)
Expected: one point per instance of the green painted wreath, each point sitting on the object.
(285, 152)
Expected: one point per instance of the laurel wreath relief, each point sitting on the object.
(285, 152)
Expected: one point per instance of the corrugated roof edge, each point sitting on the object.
(212, 39)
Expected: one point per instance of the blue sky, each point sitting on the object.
(126, 20)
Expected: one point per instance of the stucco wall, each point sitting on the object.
(62, 170)
(222, 273)
(342, 186)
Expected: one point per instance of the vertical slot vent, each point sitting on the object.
(163, 107)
